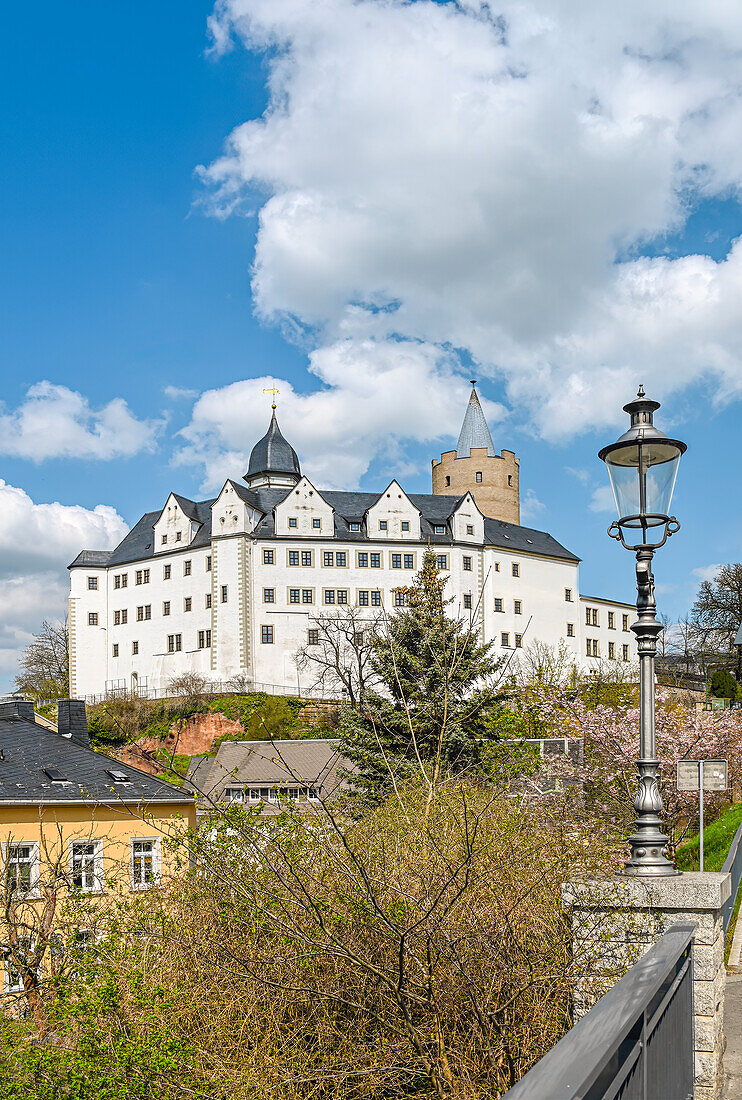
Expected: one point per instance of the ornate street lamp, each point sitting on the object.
(642, 466)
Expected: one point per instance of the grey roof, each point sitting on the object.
(98, 558)
(313, 762)
(28, 749)
(273, 454)
(474, 431)
(738, 636)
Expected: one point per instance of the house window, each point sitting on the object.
(376, 598)
(592, 647)
(117, 581)
(124, 580)
(363, 598)
(328, 558)
(85, 869)
(382, 525)
(207, 601)
(165, 608)
(358, 637)
(187, 568)
(313, 636)
(409, 561)
(505, 639)
(293, 595)
(93, 584)
(292, 521)
(124, 616)
(470, 528)
(188, 603)
(144, 863)
(570, 630)
(399, 599)
(269, 595)
(498, 604)
(611, 620)
(135, 648)
(441, 561)
(568, 595)
(268, 557)
(204, 639)
(138, 576)
(225, 593)
(467, 563)
(517, 607)
(167, 572)
(355, 526)
(148, 611)
(266, 635)
(115, 650)
(478, 477)
(625, 652)
(178, 536)
(516, 569)
(396, 561)
(329, 595)
(208, 563)
(467, 601)
(21, 867)
(439, 529)
(316, 524)
(497, 567)
(612, 651)
(591, 616)
(341, 559)
(518, 641)
(117, 618)
(163, 540)
(307, 595)
(625, 620)
(174, 643)
(375, 561)
(405, 525)
(342, 595)
(92, 618)
(306, 558)
(234, 794)
(362, 560)
(293, 557)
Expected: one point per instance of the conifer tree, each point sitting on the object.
(438, 692)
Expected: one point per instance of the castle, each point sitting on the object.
(234, 586)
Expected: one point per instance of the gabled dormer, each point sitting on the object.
(393, 516)
(305, 513)
(177, 524)
(467, 522)
(231, 513)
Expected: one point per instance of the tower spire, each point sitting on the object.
(474, 431)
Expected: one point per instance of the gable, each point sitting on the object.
(304, 512)
(393, 516)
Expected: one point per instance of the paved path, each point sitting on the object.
(733, 1028)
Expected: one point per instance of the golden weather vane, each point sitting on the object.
(275, 393)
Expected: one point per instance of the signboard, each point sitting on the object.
(714, 775)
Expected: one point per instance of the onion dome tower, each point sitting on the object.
(273, 461)
(476, 467)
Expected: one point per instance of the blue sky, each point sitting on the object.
(414, 220)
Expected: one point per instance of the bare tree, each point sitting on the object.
(717, 612)
(686, 643)
(190, 686)
(544, 665)
(339, 651)
(44, 665)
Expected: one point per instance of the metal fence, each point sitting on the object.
(732, 866)
(637, 1041)
(213, 687)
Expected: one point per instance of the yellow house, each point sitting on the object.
(75, 826)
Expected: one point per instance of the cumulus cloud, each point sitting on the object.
(179, 393)
(56, 422)
(706, 572)
(530, 506)
(485, 180)
(37, 543)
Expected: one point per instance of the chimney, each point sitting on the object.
(17, 708)
(72, 721)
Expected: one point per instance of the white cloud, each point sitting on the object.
(706, 572)
(602, 500)
(179, 393)
(56, 422)
(530, 506)
(481, 180)
(37, 543)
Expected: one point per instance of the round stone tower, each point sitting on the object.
(491, 479)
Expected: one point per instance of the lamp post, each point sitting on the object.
(642, 466)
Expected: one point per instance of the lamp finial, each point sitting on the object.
(640, 391)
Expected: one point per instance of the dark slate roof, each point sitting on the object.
(139, 542)
(97, 558)
(189, 507)
(512, 537)
(273, 454)
(28, 749)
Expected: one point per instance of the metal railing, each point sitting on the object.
(732, 866)
(636, 1043)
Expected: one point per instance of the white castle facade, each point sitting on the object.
(232, 587)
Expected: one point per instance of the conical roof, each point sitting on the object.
(272, 454)
(474, 431)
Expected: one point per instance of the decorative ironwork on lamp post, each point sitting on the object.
(642, 466)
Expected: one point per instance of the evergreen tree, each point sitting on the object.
(437, 697)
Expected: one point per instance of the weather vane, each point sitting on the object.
(275, 393)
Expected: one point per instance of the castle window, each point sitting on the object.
(467, 601)
(92, 584)
(518, 641)
(225, 593)
(306, 557)
(355, 526)
(293, 557)
(117, 581)
(293, 595)
(510, 482)
(467, 563)
(135, 648)
(178, 536)
(612, 651)
(307, 595)
(625, 622)
(441, 561)
(268, 557)
(382, 525)
(174, 643)
(376, 561)
(517, 607)
(409, 561)
(316, 524)
(208, 563)
(439, 529)
(313, 637)
(376, 598)
(611, 620)
(505, 639)
(117, 618)
(568, 595)
(187, 568)
(165, 608)
(396, 561)
(399, 599)
(328, 558)
(269, 595)
(478, 477)
(292, 521)
(208, 600)
(516, 569)
(362, 560)
(188, 603)
(163, 540)
(405, 525)
(329, 595)
(448, 481)
(341, 559)
(115, 650)
(266, 635)
(570, 630)
(167, 572)
(204, 639)
(498, 604)
(470, 528)
(625, 652)
(363, 598)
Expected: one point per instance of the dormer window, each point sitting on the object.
(163, 540)
(405, 525)
(470, 528)
(439, 529)
(316, 524)
(383, 525)
(178, 536)
(292, 521)
(354, 526)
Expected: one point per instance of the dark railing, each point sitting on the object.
(732, 866)
(636, 1043)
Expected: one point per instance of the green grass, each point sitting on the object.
(717, 838)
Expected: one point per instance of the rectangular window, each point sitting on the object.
(188, 603)
(611, 620)
(208, 563)
(595, 617)
(478, 477)
(306, 558)
(376, 598)
(382, 525)
(505, 639)
(517, 607)
(625, 620)
(363, 560)
(148, 611)
(329, 595)
(363, 598)
(570, 630)
(187, 568)
(124, 616)
(165, 608)
(204, 639)
(470, 528)
(21, 867)
(588, 616)
(498, 604)
(328, 558)
(115, 650)
(316, 524)
(135, 648)
(174, 643)
(467, 563)
(269, 595)
(396, 561)
(593, 648)
(409, 561)
(355, 526)
(376, 561)
(268, 557)
(292, 521)
(625, 652)
(441, 561)
(516, 569)
(266, 635)
(342, 595)
(568, 595)
(117, 581)
(307, 595)
(467, 601)
(439, 528)
(167, 572)
(313, 636)
(163, 540)
(497, 567)
(294, 595)
(207, 600)
(144, 863)
(612, 651)
(138, 576)
(117, 618)
(85, 866)
(518, 641)
(93, 584)
(92, 618)
(358, 637)
(225, 593)
(341, 559)
(399, 599)
(293, 557)
(178, 536)
(146, 576)
(405, 525)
